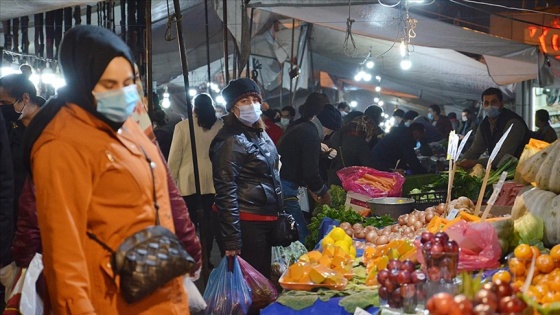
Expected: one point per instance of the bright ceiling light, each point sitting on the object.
(378, 78)
(220, 100)
(378, 89)
(405, 63)
(192, 92)
(370, 64)
(353, 104)
(376, 99)
(367, 77)
(381, 103)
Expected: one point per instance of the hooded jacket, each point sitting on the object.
(94, 175)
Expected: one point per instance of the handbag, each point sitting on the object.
(149, 258)
(285, 230)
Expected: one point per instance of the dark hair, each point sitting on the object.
(204, 110)
(435, 108)
(452, 115)
(342, 105)
(289, 109)
(18, 84)
(542, 115)
(362, 125)
(492, 91)
(467, 110)
(270, 113)
(398, 113)
(410, 115)
(40, 101)
(417, 127)
(374, 111)
(314, 103)
(160, 118)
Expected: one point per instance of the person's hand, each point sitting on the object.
(332, 154)
(324, 199)
(231, 253)
(196, 275)
(466, 164)
(324, 147)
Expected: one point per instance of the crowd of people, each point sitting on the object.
(86, 162)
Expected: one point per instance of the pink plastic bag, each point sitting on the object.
(263, 291)
(351, 177)
(479, 244)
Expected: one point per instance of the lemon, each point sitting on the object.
(337, 234)
(327, 240)
(353, 251)
(342, 244)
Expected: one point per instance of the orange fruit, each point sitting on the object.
(502, 275)
(523, 252)
(554, 284)
(536, 251)
(555, 252)
(532, 292)
(516, 267)
(544, 263)
(517, 285)
(537, 279)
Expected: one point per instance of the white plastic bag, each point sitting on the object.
(303, 199)
(31, 303)
(196, 301)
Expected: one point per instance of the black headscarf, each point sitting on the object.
(84, 54)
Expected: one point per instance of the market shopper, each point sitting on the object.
(245, 167)
(181, 165)
(498, 119)
(396, 150)
(287, 115)
(309, 109)
(300, 149)
(441, 122)
(545, 131)
(96, 171)
(351, 142)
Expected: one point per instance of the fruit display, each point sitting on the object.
(333, 257)
(545, 283)
(307, 276)
(441, 256)
(400, 285)
(339, 237)
(376, 258)
(493, 298)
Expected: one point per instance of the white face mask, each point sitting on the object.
(284, 121)
(464, 118)
(407, 123)
(249, 114)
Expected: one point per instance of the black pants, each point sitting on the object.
(207, 202)
(257, 248)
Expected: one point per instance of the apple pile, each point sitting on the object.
(494, 298)
(399, 284)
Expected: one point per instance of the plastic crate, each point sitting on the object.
(428, 199)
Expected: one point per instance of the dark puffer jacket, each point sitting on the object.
(242, 177)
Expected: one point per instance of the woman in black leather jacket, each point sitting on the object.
(246, 178)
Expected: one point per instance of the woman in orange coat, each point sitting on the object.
(90, 164)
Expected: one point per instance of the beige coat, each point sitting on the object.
(180, 157)
(90, 178)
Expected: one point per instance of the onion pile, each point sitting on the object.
(408, 226)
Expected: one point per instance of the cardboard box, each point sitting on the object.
(358, 203)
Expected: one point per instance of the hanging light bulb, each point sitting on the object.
(370, 64)
(192, 92)
(353, 104)
(378, 89)
(406, 63)
(165, 103)
(378, 78)
(376, 99)
(381, 103)
(367, 77)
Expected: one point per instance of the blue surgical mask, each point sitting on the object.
(430, 116)
(284, 121)
(407, 123)
(492, 111)
(117, 105)
(249, 114)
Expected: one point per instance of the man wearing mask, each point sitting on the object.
(497, 121)
(441, 122)
(545, 131)
(287, 115)
(300, 149)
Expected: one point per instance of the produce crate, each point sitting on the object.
(417, 181)
(427, 199)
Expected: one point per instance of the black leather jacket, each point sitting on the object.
(242, 177)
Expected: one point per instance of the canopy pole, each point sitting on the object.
(184, 66)
(250, 34)
(148, 56)
(207, 47)
(291, 58)
(226, 48)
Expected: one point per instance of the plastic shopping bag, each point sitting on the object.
(31, 303)
(371, 182)
(196, 301)
(262, 290)
(9, 275)
(227, 292)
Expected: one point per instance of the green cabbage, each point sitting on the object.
(528, 229)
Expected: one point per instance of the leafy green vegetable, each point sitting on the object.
(509, 166)
(463, 185)
(297, 302)
(338, 196)
(362, 299)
